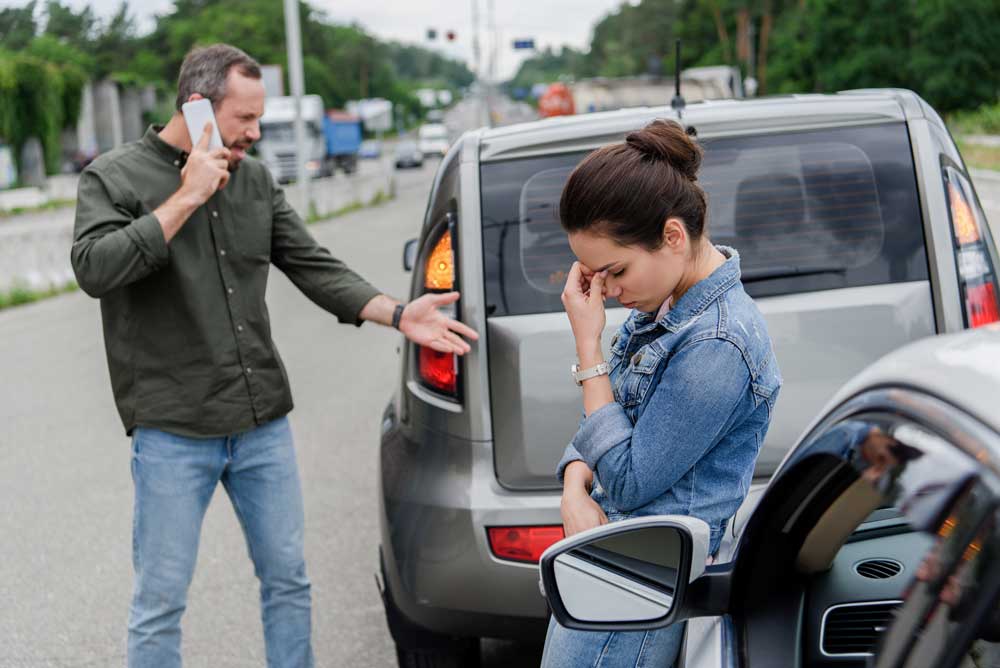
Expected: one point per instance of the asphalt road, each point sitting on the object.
(66, 491)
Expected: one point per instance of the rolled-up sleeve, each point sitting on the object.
(692, 406)
(324, 279)
(111, 248)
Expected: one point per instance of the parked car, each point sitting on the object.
(371, 149)
(859, 232)
(408, 155)
(875, 543)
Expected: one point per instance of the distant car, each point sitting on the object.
(875, 543)
(371, 149)
(408, 155)
(433, 139)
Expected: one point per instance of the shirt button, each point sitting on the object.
(249, 371)
(229, 290)
(239, 328)
(215, 214)
(222, 252)
(177, 163)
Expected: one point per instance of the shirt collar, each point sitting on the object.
(699, 296)
(169, 152)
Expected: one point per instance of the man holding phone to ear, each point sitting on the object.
(176, 239)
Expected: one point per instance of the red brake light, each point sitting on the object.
(976, 275)
(439, 370)
(523, 543)
(981, 305)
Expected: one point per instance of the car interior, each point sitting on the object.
(841, 557)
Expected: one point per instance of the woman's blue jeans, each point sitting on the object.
(174, 480)
(565, 648)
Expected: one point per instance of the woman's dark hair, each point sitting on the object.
(627, 191)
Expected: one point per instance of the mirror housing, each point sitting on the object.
(410, 254)
(637, 574)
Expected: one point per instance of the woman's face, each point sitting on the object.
(637, 278)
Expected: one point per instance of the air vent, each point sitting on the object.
(854, 629)
(878, 569)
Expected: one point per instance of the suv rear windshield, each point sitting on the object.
(816, 210)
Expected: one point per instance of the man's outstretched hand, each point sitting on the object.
(424, 324)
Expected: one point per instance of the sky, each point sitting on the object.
(549, 22)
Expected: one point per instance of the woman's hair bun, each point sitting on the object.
(667, 141)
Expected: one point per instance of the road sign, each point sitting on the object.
(524, 44)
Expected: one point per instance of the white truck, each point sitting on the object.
(276, 147)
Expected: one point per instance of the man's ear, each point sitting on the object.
(195, 96)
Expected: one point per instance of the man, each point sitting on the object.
(176, 240)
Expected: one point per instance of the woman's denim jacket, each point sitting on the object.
(694, 393)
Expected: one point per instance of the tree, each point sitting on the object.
(17, 26)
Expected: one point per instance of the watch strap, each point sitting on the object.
(397, 315)
(580, 375)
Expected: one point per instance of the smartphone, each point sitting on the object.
(196, 114)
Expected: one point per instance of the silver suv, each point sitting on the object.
(859, 231)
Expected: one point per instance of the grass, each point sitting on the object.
(20, 294)
(978, 156)
(983, 121)
(51, 204)
(380, 198)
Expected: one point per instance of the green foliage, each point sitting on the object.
(35, 96)
(944, 50)
(984, 120)
(17, 26)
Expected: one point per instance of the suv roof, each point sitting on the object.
(711, 117)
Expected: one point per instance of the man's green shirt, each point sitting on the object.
(186, 328)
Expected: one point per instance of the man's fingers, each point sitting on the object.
(206, 136)
(453, 339)
(446, 298)
(463, 329)
(223, 181)
(221, 153)
(441, 346)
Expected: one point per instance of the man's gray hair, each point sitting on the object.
(205, 69)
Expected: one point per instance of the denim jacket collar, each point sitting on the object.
(698, 297)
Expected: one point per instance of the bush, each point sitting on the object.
(983, 121)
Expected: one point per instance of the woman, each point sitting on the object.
(676, 424)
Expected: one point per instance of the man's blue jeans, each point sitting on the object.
(174, 479)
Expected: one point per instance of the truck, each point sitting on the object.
(332, 138)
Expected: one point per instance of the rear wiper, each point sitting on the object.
(755, 275)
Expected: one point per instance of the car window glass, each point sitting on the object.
(814, 210)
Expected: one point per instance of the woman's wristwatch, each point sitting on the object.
(580, 375)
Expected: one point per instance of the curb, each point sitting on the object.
(985, 174)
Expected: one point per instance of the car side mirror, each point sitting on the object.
(625, 576)
(410, 254)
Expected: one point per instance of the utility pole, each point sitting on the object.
(476, 55)
(293, 40)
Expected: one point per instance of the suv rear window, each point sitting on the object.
(816, 210)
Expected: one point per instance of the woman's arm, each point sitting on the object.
(692, 407)
(585, 309)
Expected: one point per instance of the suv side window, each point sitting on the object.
(835, 207)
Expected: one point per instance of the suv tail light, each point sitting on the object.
(523, 543)
(977, 277)
(439, 371)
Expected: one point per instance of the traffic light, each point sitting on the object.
(432, 34)
(450, 35)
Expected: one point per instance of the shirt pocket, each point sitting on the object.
(634, 381)
(251, 225)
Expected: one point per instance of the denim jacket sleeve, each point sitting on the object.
(703, 388)
(570, 455)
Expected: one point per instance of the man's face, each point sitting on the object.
(238, 115)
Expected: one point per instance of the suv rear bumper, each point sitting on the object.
(437, 496)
